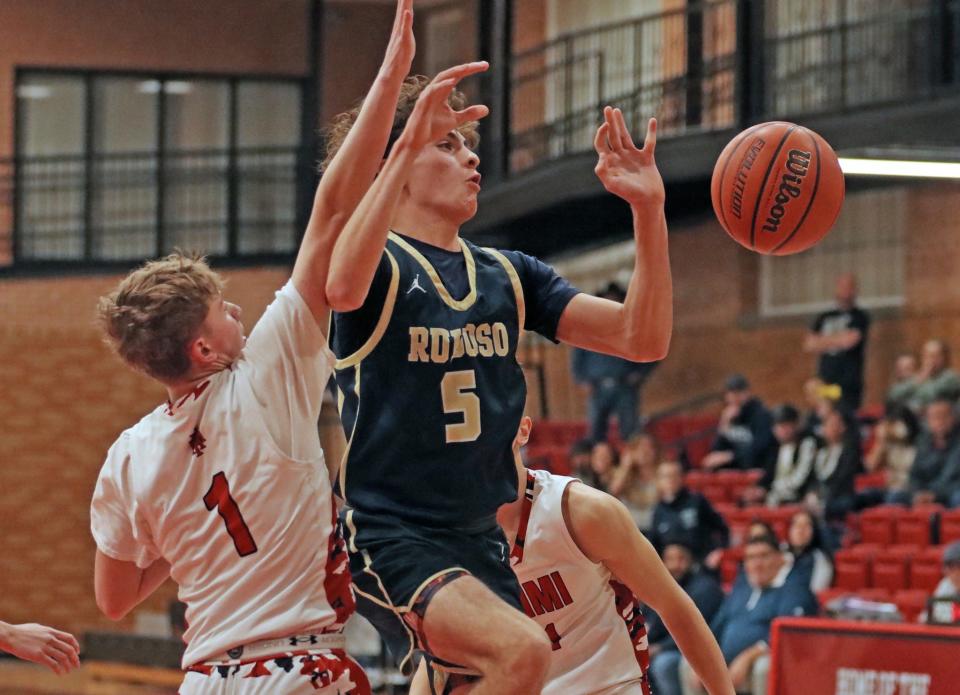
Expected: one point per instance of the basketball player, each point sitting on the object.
(580, 561)
(224, 487)
(47, 646)
(425, 331)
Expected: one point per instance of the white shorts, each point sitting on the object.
(324, 672)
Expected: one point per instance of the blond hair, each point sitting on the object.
(154, 313)
(337, 131)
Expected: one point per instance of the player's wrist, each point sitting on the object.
(6, 635)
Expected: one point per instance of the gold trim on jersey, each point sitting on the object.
(382, 322)
(353, 430)
(423, 584)
(459, 305)
(517, 286)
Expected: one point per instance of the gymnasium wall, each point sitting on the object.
(718, 329)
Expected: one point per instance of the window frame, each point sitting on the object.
(304, 168)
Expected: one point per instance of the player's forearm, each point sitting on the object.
(358, 249)
(698, 646)
(648, 307)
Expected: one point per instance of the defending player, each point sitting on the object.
(581, 562)
(224, 488)
(426, 333)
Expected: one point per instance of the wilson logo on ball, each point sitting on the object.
(798, 162)
(777, 188)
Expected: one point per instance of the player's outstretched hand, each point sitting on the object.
(432, 117)
(625, 170)
(402, 46)
(57, 650)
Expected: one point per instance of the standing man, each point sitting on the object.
(612, 384)
(839, 338)
(426, 332)
(224, 487)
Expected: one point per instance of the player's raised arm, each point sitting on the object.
(359, 248)
(604, 530)
(641, 327)
(354, 166)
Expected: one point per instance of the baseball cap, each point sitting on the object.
(736, 382)
(951, 556)
(785, 413)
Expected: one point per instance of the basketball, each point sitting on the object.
(777, 188)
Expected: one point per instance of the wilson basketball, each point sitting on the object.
(777, 188)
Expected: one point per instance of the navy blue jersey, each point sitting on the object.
(431, 399)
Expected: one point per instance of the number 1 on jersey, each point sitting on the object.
(456, 389)
(554, 636)
(218, 496)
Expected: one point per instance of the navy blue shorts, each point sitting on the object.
(397, 567)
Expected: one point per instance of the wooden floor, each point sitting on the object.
(18, 678)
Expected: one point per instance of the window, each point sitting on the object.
(868, 237)
(127, 166)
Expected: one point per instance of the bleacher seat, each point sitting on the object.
(890, 571)
(876, 524)
(875, 594)
(851, 571)
(695, 480)
(716, 492)
(910, 603)
(950, 526)
(865, 481)
(913, 527)
(926, 569)
(730, 563)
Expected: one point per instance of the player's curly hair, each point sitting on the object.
(154, 313)
(335, 133)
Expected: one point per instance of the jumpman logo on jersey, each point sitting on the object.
(416, 285)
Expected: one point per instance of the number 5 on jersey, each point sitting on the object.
(459, 397)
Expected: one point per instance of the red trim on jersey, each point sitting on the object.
(337, 582)
(628, 606)
(516, 555)
(195, 393)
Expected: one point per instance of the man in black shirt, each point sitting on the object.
(839, 337)
(745, 431)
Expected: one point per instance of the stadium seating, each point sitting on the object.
(911, 603)
(876, 524)
(950, 526)
(851, 570)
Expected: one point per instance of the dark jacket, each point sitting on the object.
(937, 470)
(834, 476)
(707, 596)
(690, 517)
(750, 436)
(742, 622)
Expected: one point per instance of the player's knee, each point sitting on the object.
(527, 655)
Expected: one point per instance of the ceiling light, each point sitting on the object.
(856, 166)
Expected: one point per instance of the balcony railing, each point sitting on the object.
(727, 63)
(83, 210)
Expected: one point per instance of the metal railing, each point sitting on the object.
(125, 207)
(726, 63)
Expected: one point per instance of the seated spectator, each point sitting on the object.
(788, 468)
(904, 375)
(932, 476)
(682, 513)
(835, 468)
(742, 625)
(745, 431)
(635, 479)
(604, 460)
(893, 452)
(706, 594)
(950, 584)
(579, 457)
(814, 398)
(812, 563)
(934, 380)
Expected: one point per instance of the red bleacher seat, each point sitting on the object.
(950, 526)
(867, 550)
(890, 571)
(824, 597)
(926, 569)
(695, 480)
(730, 563)
(875, 594)
(716, 492)
(911, 603)
(866, 481)
(851, 571)
(876, 524)
(913, 527)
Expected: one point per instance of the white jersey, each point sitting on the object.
(598, 634)
(229, 486)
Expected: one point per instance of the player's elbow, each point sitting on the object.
(653, 349)
(112, 608)
(343, 295)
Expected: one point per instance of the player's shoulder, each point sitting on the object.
(589, 511)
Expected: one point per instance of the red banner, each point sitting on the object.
(811, 656)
